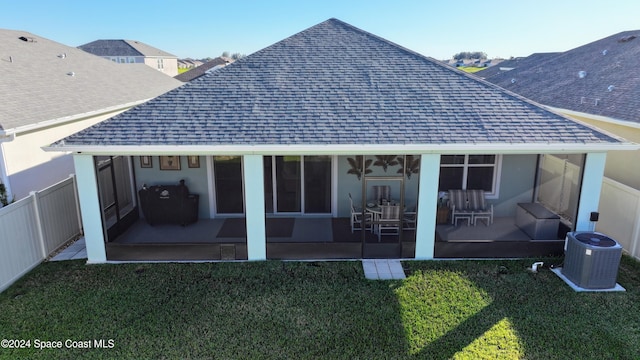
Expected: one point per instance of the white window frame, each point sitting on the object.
(495, 183)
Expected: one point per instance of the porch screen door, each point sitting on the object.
(116, 194)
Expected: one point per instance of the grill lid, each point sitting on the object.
(595, 239)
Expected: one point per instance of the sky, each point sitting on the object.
(435, 28)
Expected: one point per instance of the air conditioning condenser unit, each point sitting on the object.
(591, 260)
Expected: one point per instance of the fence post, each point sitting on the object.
(75, 196)
(38, 220)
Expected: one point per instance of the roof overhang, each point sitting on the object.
(606, 119)
(347, 149)
(68, 119)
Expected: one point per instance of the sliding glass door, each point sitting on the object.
(228, 182)
(288, 183)
(297, 184)
(317, 184)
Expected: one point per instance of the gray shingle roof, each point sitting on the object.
(336, 84)
(202, 69)
(522, 63)
(36, 85)
(123, 48)
(556, 82)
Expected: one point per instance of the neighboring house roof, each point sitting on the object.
(43, 80)
(508, 65)
(600, 78)
(334, 86)
(123, 48)
(189, 62)
(203, 69)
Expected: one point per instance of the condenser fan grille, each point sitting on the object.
(595, 239)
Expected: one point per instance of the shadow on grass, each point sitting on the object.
(324, 310)
(521, 314)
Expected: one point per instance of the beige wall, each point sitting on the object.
(29, 168)
(170, 65)
(622, 166)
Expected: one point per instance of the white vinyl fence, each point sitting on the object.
(620, 215)
(34, 227)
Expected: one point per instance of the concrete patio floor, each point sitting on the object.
(75, 251)
(374, 269)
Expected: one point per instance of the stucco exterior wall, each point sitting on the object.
(349, 183)
(620, 164)
(29, 168)
(169, 65)
(195, 179)
(516, 184)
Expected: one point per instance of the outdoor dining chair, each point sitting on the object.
(358, 220)
(380, 193)
(389, 221)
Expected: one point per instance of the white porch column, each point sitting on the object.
(90, 208)
(253, 170)
(427, 205)
(591, 187)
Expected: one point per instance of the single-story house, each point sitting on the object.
(334, 143)
(49, 91)
(599, 84)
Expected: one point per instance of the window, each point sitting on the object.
(469, 172)
(160, 64)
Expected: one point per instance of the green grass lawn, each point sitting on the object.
(318, 310)
(470, 69)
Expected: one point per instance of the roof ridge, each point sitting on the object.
(131, 46)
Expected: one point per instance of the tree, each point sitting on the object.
(470, 55)
(234, 56)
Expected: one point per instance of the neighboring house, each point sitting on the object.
(188, 63)
(520, 63)
(473, 62)
(276, 146)
(491, 62)
(598, 83)
(50, 90)
(203, 69)
(133, 52)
